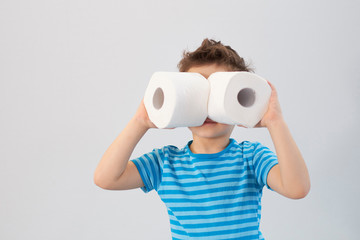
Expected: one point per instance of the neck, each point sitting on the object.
(209, 145)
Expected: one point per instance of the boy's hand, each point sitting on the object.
(273, 113)
(142, 117)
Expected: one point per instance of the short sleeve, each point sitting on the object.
(263, 160)
(150, 167)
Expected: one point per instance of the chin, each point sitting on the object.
(212, 130)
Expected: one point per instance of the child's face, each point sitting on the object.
(211, 129)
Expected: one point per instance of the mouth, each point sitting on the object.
(209, 121)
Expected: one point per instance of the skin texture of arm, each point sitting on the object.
(290, 177)
(115, 171)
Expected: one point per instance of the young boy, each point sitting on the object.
(212, 187)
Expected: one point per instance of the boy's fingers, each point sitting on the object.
(271, 85)
(258, 125)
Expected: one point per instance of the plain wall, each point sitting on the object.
(72, 74)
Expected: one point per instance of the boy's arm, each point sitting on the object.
(115, 171)
(290, 177)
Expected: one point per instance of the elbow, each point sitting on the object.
(106, 182)
(298, 195)
(99, 181)
(300, 192)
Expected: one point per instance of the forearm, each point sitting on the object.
(293, 171)
(116, 157)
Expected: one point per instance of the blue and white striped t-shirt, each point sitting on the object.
(210, 196)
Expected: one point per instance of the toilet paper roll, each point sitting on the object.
(238, 98)
(177, 99)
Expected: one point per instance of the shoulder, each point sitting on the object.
(169, 151)
(247, 145)
(250, 148)
(252, 145)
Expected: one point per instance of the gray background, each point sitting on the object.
(72, 74)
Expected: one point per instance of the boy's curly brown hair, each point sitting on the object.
(211, 52)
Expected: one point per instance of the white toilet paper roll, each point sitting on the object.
(177, 99)
(238, 98)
